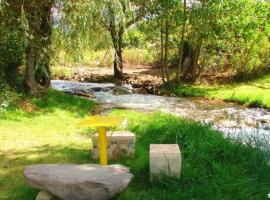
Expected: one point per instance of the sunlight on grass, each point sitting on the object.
(49, 135)
(255, 93)
(44, 136)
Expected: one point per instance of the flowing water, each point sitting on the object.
(249, 124)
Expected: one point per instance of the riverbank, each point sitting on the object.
(43, 131)
(254, 93)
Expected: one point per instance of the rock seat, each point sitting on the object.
(79, 182)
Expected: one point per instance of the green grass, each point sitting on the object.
(47, 135)
(213, 167)
(254, 93)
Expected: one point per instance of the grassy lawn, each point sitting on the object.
(213, 167)
(46, 135)
(254, 93)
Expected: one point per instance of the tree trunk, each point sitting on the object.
(166, 50)
(117, 38)
(30, 82)
(179, 68)
(38, 52)
(118, 64)
(46, 29)
(194, 67)
(162, 54)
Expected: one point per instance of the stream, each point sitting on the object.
(252, 125)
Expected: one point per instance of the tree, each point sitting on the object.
(37, 72)
(117, 16)
(182, 36)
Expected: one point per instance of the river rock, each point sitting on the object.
(121, 91)
(84, 93)
(100, 89)
(79, 182)
(139, 90)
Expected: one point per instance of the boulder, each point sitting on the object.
(101, 89)
(79, 182)
(84, 93)
(121, 91)
(139, 90)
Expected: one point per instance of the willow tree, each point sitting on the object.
(117, 16)
(39, 23)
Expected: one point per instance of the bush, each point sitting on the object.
(5, 97)
(12, 44)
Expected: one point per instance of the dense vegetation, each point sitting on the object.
(185, 37)
(32, 133)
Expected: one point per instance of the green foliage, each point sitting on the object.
(230, 169)
(235, 92)
(59, 72)
(232, 34)
(5, 95)
(12, 44)
(135, 38)
(11, 54)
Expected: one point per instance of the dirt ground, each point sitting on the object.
(139, 74)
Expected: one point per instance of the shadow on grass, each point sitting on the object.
(47, 104)
(59, 100)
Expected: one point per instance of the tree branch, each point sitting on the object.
(139, 16)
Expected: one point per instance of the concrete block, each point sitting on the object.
(120, 144)
(165, 159)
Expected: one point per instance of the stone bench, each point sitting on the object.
(77, 182)
(120, 144)
(165, 159)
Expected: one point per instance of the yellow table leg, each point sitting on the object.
(102, 140)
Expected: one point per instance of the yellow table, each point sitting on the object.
(102, 122)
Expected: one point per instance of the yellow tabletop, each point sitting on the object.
(101, 121)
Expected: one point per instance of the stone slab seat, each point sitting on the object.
(79, 182)
(165, 159)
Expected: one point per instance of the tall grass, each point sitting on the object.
(138, 57)
(104, 58)
(212, 167)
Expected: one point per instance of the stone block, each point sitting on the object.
(120, 144)
(165, 159)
